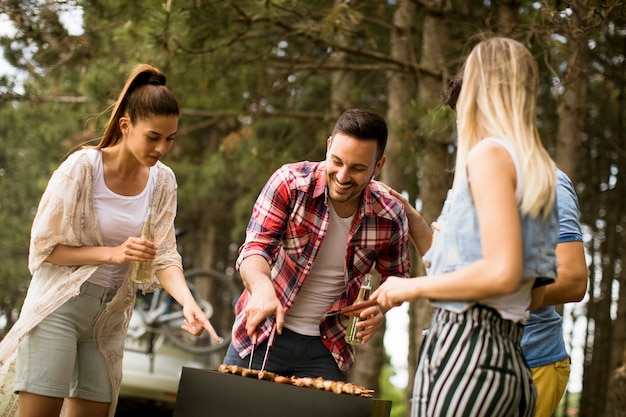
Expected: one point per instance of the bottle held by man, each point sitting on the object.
(364, 294)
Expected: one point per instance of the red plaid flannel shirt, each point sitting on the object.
(288, 224)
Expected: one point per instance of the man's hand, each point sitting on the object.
(371, 320)
(263, 303)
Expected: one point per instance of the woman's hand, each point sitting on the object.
(395, 291)
(420, 233)
(196, 321)
(134, 249)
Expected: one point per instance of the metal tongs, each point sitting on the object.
(270, 343)
(350, 309)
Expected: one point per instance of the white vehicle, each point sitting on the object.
(157, 348)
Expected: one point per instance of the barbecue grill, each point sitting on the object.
(204, 392)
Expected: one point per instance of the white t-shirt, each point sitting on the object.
(326, 282)
(119, 217)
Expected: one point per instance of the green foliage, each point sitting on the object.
(232, 67)
(254, 79)
(32, 144)
(569, 405)
(392, 393)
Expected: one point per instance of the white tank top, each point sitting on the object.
(119, 217)
(326, 281)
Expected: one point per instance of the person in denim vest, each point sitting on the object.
(495, 248)
(542, 344)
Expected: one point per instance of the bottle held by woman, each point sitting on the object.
(141, 272)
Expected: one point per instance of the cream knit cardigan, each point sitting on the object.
(66, 215)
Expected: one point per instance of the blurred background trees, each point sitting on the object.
(261, 84)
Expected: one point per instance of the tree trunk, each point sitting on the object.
(616, 401)
(369, 357)
(433, 143)
(401, 92)
(617, 394)
(508, 17)
(572, 105)
(598, 365)
(400, 170)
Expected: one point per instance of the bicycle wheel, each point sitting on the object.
(216, 294)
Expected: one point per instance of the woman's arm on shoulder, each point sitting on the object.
(420, 232)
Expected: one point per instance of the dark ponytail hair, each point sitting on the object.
(144, 96)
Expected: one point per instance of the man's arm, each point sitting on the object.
(571, 283)
(264, 231)
(256, 275)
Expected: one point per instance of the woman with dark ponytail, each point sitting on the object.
(68, 343)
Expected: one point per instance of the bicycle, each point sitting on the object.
(157, 317)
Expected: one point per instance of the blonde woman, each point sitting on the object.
(69, 339)
(495, 248)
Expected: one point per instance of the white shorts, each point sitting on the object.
(60, 358)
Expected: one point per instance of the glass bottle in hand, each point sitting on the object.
(364, 295)
(142, 271)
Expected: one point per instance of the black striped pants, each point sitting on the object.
(471, 364)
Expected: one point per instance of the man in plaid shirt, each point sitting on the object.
(316, 229)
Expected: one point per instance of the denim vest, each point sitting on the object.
(458, 244)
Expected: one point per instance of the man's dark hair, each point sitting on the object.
(451, 94)
(366, 125)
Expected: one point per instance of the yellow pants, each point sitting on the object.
(550, 381)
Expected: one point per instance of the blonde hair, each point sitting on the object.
(499, 98)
